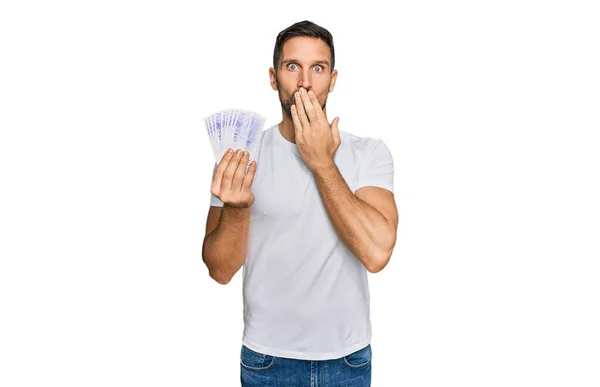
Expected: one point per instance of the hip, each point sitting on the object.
(261, 369)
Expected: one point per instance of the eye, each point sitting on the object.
(290, 66)
(320, 69)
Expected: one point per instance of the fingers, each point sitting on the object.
(335, 130)
(240, 172)
(316, 105)
(308, 105)
(230, 169)
(231, 182)
(297, 123)
(217, 179)
(249, 178)
(300, 110)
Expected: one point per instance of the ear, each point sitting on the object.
(333, 79)
(273, 78)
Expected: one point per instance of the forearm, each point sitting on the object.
(366, 232)
(224, 250)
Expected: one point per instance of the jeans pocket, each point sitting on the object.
(360, 358)
(255, 361)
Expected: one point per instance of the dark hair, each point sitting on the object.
(303, 28)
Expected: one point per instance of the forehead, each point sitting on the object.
(305, 48)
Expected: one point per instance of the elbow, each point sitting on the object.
(221, 279)
(215, 273)
(375, 267)
(378, 262)
(382, 255)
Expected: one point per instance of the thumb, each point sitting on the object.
(335, 131)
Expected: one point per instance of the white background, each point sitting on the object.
(491, 111)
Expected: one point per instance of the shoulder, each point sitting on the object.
(265, 140)
(360, 145)
(266, 136)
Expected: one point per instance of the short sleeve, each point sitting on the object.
(214, 201)
(377, 167)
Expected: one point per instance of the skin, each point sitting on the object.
(366, 221)
(226, 240)
(304, 63)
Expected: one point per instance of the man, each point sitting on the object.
(307, 225)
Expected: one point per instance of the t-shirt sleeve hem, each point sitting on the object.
(215, 202)
(375, 183)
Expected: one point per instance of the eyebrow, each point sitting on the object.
(320, 62)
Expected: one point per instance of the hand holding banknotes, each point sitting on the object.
(231, 184)
(317, 141)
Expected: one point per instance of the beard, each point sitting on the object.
(291, 100)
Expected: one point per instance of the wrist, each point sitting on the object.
(324, 167)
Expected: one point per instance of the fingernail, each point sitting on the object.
(302, 90)
(237, 152)
(229, 151)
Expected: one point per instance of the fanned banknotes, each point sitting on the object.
(234, 128)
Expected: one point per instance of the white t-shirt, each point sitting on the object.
(306, 295)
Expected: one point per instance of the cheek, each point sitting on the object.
(322, 97)
(288, 78)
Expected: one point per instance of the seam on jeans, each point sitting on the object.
(259, 368)
(263, 363)
(359, 365)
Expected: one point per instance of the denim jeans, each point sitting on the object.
(262, 370)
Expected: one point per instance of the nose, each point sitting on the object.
(304, 80)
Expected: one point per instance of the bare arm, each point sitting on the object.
(367, 228)
(366, 221)
(225, 247)
(226, 241)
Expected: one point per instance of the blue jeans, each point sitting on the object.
(262, 370)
